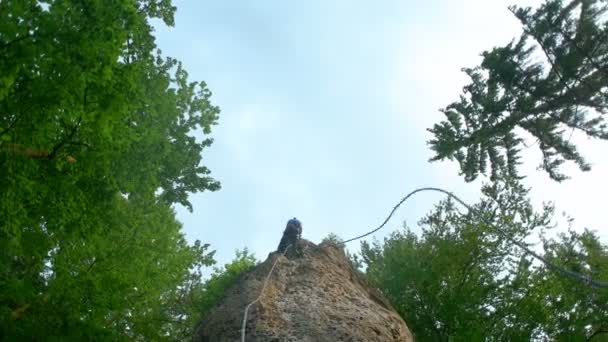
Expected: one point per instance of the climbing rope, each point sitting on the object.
(244, 325)
(586, 279)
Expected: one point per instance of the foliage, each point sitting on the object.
(547, 84)
(332, 238)
(566, 91)
(549, 304)
(95, 146)
(184, 302)
(212, 290)
(459, 281)
(353, 258)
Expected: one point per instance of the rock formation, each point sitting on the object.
(314, 294)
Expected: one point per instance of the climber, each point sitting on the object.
(291, 234)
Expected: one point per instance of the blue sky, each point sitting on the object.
(325, 106)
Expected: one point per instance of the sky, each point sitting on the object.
(325, 106)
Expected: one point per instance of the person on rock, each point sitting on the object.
(291, 234)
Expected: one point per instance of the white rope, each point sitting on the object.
(585, 279)
(244, 325)
(575, 275)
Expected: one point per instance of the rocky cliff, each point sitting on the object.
(313, 295)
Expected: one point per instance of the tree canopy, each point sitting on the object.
(96, 144)
(551, 81)
(459, 281)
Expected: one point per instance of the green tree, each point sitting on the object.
(445, 283)
(563, 309)
(96, 144)
(332, 238)
(460, 281)
(538, 303)
(548, 97)
(214, 288)
(353, 258)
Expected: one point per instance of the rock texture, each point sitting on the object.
(313, 295)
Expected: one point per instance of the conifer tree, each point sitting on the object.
(550, 82)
